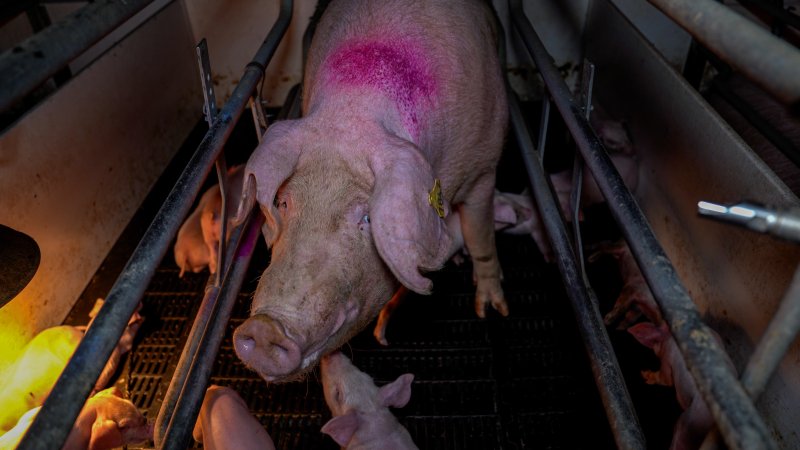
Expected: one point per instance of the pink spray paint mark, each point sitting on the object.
(398, 69)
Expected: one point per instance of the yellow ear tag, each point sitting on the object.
(435, 198)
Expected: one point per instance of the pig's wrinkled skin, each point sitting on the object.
(635, 299)
(197, 243)
(397, 94)
(225, 423)
(361, 416)
(107, 421)
(696, 420)
(28, 381)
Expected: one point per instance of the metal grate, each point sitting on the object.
(499, 383)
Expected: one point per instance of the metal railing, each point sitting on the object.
(736, 416)
(52, 425)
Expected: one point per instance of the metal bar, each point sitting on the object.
(734, 412)
(781, 142)
(776, 12)
(209, 97)
(204, 316)
(761, 56)
(544, 122)
(609, 380)
(779, 335)
(178, 432)
(26, 66)
(52, 425)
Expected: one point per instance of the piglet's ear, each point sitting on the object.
(397, 393)
(649, 334)
(342, 428)
(408, 232)
(272, 163)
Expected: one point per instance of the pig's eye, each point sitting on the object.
(338, 395)
(363, 223)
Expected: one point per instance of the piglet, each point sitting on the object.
(107, 421)
(27, 382)
(226, 423)
(696, 420)
(361, 416)
(124, 344)
(635, 299)
(197, 243)
(211, 214)
(190, 251)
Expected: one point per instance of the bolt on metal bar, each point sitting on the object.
(51, 426)
(609, 380)
(733, 410)
(755, 52)
(779, 335)
(207, 314)
(26, 66)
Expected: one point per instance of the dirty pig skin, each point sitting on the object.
(404, 118)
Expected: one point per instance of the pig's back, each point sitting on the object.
(437, 63)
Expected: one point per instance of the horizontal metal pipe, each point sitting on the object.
(778, 337)
(204, 315)
(52, 425)
(26, 66)
(761, 56)
(760, 123)
(734, 412)
(776, 12)
(178, 433)
(609, 380)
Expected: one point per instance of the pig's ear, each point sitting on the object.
(409, 233)
(272, 163)
(648, 334)
(397, 393)
(341, 428)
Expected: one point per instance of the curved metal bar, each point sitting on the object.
(733, 410)
(51, 426)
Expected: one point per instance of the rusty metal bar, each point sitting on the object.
(733, 410)
(26, 66)
(779, 335)
(52, 425)
(762, 57)
(609, 380)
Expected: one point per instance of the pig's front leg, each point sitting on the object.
(477, 227)
(226, 423)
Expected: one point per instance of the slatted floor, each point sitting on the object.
(499, 383)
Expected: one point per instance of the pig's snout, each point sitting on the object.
(261, 343)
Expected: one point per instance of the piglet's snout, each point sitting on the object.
(262, 344)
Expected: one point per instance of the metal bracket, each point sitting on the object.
(210, 111)
(259, 117)
(587, 84)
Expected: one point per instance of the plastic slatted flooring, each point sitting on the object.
(498, 383)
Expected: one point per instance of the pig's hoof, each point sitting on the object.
(492, 296)
(380, 336)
